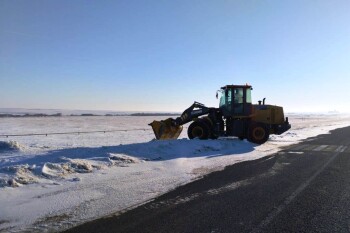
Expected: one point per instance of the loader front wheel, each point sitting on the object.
(258, 133)
(198, 129)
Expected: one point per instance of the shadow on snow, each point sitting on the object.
(153, 150)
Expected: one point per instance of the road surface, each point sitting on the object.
(303, 188)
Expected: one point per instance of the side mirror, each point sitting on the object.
(217, 95)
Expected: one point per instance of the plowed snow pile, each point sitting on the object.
(55, 182)
(10, 146)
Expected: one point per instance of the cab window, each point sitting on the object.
(238, 94)
(238, 100)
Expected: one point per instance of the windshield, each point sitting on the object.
(225, 99)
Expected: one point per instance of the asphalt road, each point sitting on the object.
(304, 188)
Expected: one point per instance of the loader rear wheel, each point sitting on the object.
(198, 129)
(258, 133)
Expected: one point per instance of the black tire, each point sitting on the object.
(258, 133)
(208, 123)
(198, 129)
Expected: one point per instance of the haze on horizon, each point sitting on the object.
(163, 55)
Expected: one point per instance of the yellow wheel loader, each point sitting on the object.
(236, 116)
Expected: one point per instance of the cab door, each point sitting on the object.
(242, 102)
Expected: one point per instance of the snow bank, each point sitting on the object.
(61, 181)
(56, 170)
(122, 160)
(6, 146)
(17, 175)
(59, 164)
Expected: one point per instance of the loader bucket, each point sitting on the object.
(165, 130)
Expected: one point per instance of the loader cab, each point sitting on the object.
(236, 100)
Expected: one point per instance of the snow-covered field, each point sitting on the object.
(50, 183)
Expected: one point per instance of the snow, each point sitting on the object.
(50, 183)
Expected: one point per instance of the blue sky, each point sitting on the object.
(163, 55)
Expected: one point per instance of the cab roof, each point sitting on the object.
(236, 86)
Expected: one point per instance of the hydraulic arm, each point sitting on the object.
(171, 128)
(194, 111)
